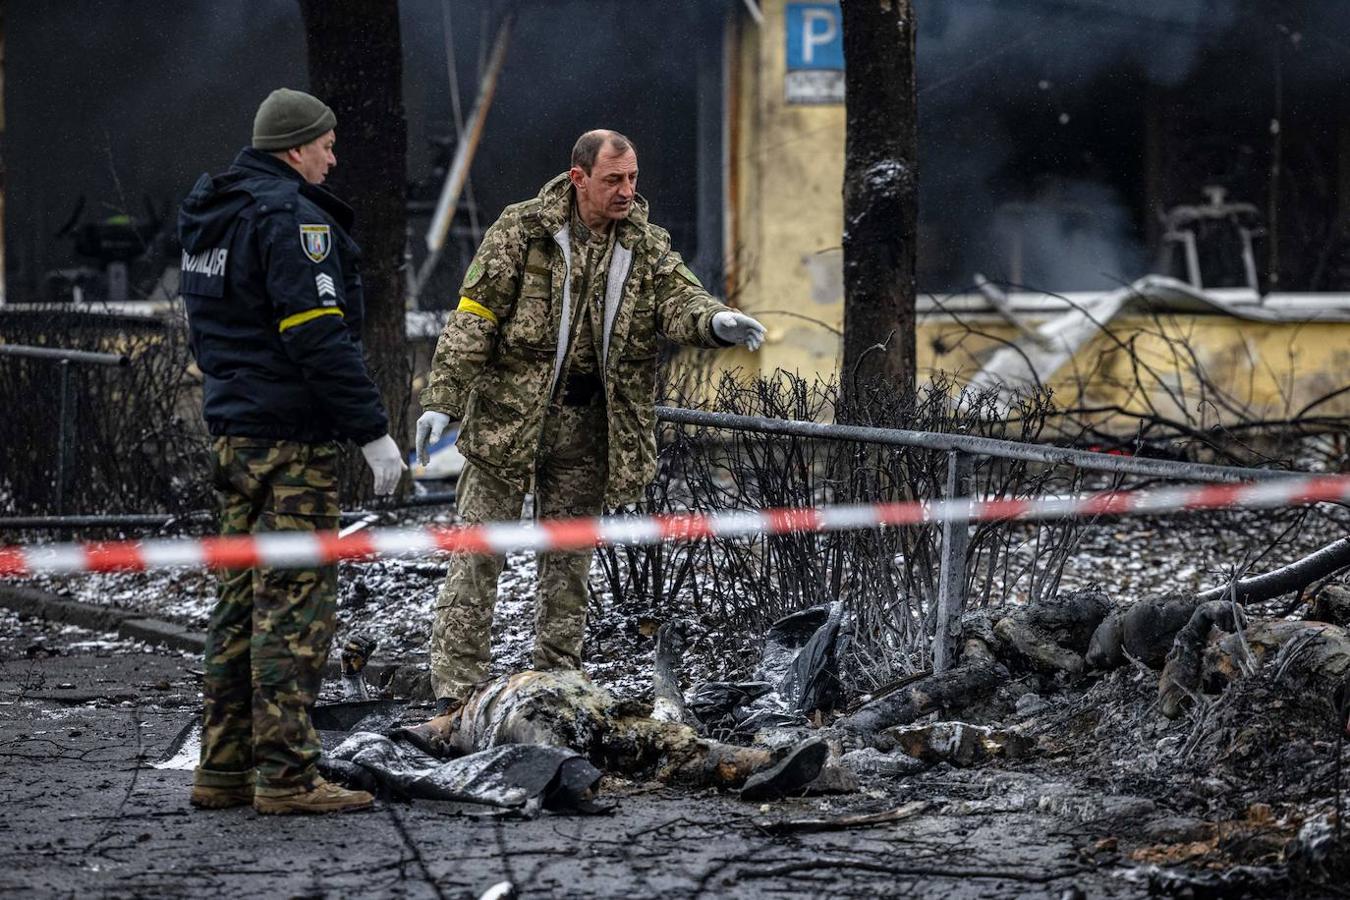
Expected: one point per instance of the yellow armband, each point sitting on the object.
(473, 307)
(301, 318)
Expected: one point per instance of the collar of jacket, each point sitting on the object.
(251, 162)
(620, 263)
(555, 210)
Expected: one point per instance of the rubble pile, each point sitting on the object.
(1239, 783)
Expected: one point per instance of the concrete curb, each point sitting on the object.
(165, 634)
(124, 623)
(41, 605)
(38, 604)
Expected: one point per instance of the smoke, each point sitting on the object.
(1072, 235)
(1021, 102)
(1028, 105)
(1078, 39)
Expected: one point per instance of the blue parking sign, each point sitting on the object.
(814, 36)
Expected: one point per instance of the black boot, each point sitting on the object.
(790, 774)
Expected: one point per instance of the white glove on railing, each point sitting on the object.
(386, 463)
(738, 328)
(430, 426)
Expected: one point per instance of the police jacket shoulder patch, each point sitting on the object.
(317, 241)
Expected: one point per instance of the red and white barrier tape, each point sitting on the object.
(302, 550)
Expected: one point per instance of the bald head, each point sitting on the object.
(588, 147)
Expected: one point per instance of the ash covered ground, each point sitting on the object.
(1107, 796)
(391, 600)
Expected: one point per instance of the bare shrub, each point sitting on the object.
(1149, 386)
(136, 441)
(888, 578)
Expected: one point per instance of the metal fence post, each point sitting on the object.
(952, 575)
(63, 435)
(68, 417)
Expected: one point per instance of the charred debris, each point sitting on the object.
(1198, 741)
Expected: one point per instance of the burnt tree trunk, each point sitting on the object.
(956, 688)
(1287, 579)
(4, 283)
(880, 195)
(356, 67)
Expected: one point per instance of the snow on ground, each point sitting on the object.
(393, 600)
(24, 638)
(184, 596)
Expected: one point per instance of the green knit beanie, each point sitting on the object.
(290, 118)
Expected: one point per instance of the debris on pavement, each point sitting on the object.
(519, 776)
(564, 709)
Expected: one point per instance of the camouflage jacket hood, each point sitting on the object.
(501, 356)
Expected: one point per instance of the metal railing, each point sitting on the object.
(166, 520)
(66, 413)
(971, 445)
(961, 452)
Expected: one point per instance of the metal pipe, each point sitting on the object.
(464, 153)
(360, 524)
(1286, 579)
(160, 520)
(125, 520)
(981, 446)
(437, 499)
(64, 427)
(952, 569)
(448, 33)
(59, 353)
(1192, 260)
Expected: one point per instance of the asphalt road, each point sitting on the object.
(84, 813)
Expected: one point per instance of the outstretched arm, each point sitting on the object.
(688, 314)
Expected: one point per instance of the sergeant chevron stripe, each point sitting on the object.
(302, 550)
(324, 282)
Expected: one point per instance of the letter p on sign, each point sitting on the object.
(818, 30)
(813, 36)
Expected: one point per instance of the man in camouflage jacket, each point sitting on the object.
(550, 361)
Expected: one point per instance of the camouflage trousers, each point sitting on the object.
(569, 480)
(270, 630)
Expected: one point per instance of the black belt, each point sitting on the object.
(582, 390)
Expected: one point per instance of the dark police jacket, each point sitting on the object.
(274, 304)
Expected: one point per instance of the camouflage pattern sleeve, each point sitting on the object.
(684, 309)
(486, 300)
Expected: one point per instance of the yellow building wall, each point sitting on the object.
(1251, 370)
(787, 163)
(784, 232)
(1204, 370)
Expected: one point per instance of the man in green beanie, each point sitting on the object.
(274, 307)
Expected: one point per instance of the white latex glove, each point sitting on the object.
(386, 463)
(738, 328)
(430, 427)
